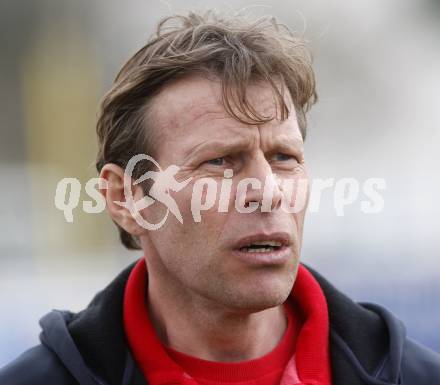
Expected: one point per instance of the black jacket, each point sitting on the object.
(368, 346)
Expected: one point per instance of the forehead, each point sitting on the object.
(191, 109)
(191, 95)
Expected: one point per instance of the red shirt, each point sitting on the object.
(266, 370)
(303, 350)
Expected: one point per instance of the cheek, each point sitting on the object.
(155, 213)
(296, 191)
(199, 201)
(192, 235)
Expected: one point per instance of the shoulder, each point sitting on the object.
(36, 366)
(420, 365)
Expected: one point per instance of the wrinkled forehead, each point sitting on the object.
(195, 98)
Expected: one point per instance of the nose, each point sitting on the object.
(269, 194)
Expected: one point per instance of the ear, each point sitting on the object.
(112, 189)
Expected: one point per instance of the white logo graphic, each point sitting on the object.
(164, 181)
(293, 192)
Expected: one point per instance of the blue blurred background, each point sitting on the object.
(377, 65)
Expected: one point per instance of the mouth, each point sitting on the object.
(264, 249)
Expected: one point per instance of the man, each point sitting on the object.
(220, 297)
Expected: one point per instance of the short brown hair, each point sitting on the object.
(233, 48)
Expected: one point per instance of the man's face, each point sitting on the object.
(206, 259)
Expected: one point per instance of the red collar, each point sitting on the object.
(312, 347)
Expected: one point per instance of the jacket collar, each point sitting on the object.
(366, 340)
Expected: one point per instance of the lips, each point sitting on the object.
(264, 249)
(263, 240)
(261, 247)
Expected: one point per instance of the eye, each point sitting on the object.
(283, 157)
(216, 161)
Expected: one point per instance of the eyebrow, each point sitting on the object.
(282, 144)
(219, 145)
(289, 144)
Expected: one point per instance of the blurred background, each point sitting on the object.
(377, 65)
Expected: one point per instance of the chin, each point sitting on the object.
(256, 305)
(261, 297)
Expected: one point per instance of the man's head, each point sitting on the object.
(209, 94)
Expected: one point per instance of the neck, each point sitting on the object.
(193, 325)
